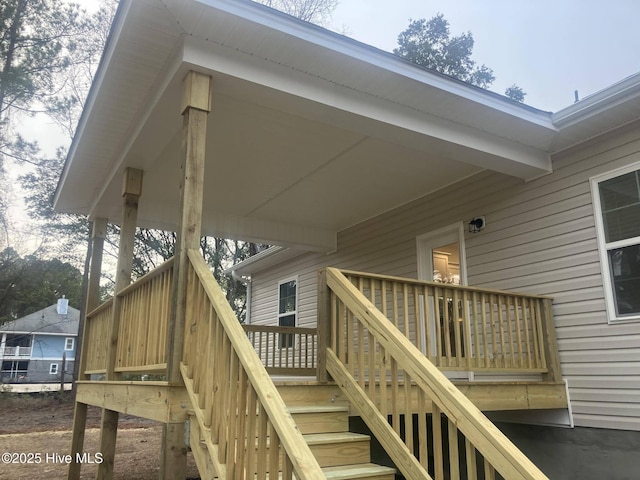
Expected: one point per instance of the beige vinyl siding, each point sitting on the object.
(540, 238)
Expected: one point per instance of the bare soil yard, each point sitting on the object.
(41, 424)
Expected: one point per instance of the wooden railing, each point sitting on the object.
(387, 379)
(96, 332)
(143, 313)
(466, 328)
(243, 421)
(285, 350)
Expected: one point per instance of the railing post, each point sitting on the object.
(131, 190)
(550, 341)
(323, 325)
(93, 298)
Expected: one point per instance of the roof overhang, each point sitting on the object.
(310, 132)
(606, 110)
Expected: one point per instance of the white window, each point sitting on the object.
(53, 369)
(287, 308)
(616, 198)
(69, 343)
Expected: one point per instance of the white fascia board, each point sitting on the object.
(373, 56)
(599, 102)
(511, 157)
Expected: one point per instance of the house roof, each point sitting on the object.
(310, 132)
(45, 321)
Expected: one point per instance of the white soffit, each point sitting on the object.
(367, 112)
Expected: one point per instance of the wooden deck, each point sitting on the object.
(504, 334)
(379, 352)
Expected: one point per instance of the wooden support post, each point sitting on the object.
(195, 108)
(131, 190)
(174, 454)
(554, 373)
(323, 325)
(93, 298)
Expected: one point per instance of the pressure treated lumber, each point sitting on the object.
(131, 190)
(196, 104)
(98, 235)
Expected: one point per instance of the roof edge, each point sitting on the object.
(342, 44)
(598, 102)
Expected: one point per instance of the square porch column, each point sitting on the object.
(196, 105)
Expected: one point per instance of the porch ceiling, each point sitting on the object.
(309, 132)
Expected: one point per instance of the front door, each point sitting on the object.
(441, 259)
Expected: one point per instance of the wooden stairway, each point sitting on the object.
(323, 418)
(324, 424)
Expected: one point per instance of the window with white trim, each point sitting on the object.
(287, 309)
(53, 369)
(617, 207)
(69, 343)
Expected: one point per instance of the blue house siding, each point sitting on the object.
(51, 347)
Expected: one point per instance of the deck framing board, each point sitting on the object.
(153, 400)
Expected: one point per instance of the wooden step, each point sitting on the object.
(363, 471)
(320, 418)
(310, 393)
(334, 449)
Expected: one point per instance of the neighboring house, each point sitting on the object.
(32, 347)
(343, 155)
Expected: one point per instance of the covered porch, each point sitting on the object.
(245, 123)
(377, 339)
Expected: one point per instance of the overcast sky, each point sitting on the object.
(548, 47)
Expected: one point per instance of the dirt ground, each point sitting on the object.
(35, 430)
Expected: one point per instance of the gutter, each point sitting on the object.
(603, 100)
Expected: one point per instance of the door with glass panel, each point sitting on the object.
(441, 260)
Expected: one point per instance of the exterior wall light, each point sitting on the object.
(477, 224)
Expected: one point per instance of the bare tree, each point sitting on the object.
(313, 11)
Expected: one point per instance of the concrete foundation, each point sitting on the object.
(578, 453)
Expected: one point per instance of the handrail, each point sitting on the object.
(143, 311)
(413, 281)
(231, 392)
(467, 328)
(366, 349)
(148, 277)
(285, 350)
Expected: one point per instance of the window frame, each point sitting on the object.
(66, 342)
(604, 247)
(53, 366)
(286, 340)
